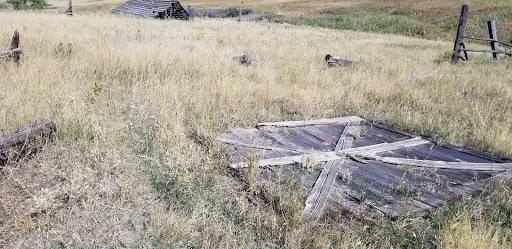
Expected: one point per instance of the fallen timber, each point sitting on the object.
(367, 169)
(14, 51)
(17, 143)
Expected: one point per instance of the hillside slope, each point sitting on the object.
(138, 104)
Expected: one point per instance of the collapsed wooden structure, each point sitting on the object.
(14, 52)
(333, 61)
(153, 9)
(460, 46)
(23, 141)
(367, 169)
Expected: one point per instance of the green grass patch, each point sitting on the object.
(376, 23)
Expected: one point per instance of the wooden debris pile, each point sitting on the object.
(242, 59)
(24, 141)
(333, 61)
(14, 52)
(367, 169)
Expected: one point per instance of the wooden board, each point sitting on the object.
(368, 169)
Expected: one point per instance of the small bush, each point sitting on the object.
(233, 12)
(27, 4)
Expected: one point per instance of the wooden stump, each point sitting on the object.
(14, 51)
(333, 61)
(242, 59)
(24, 141)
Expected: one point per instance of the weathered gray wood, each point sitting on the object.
(331, 155)
(436, 174)
(459, 39)
(265, 147)
(15, 143)
(316, 200)
(290, 124)
(493, 36)
(244, 60)
(11, 53)
(489, 40)
(14, 51)
(383, 147)
(347, 137)
(333, 61)
(487, 51)
(443, 164)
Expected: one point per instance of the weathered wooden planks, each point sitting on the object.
(152, 9)
(15, 143)
(316, 200)
(333, 61)
(291, 124)
(391, 171)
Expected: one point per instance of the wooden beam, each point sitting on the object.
(486, 51)
(323, 185)
(489, 40)
(11, 53)
(263, 147)
(383, 147)
(443, 164)
(291, 124)
(319, 157)
(460, 33)
(331, 155)
(493, 36)
(16, 142)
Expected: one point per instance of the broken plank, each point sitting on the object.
(16, 142)
(379, 148)
(331, 155)
(291, 124)
(316, 200)
(443, 164)
(264, 147)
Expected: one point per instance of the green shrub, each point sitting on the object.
(27, 4)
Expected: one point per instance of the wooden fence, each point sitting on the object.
(460, 46)
(14, 51)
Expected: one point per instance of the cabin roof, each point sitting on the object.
(143, 8)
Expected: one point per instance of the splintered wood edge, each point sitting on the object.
(291, 124)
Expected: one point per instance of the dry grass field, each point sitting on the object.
(138, 105)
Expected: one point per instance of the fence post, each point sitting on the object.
(492, 34)
(239, 14)
(460, 33)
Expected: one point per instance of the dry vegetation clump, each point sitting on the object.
(138, 104)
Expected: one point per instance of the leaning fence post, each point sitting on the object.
(460, 33)
(15, 43)
(494, 37)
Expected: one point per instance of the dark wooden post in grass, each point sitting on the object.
(14, 51)
(69, 11)
(22, 141)
(460, 33)
(494, 37)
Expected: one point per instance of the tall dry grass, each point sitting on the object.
(138, 104)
